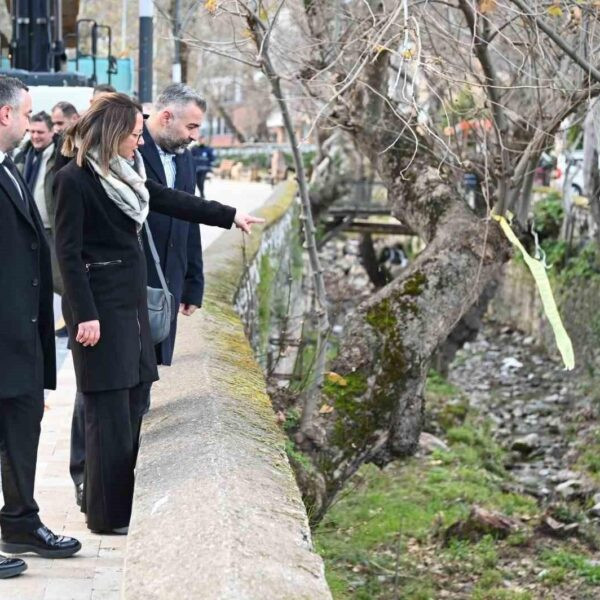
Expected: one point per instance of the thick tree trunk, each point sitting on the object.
(335, 174)
(386, 351)
(591, 174)
(385, 354)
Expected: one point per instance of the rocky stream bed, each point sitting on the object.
(502, 500)
(538, 412)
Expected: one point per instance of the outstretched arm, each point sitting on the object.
(187, 207)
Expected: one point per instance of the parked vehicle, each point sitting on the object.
(570, 165)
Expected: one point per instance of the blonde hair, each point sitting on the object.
(108, 121)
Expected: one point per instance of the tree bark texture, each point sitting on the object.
(388, 343)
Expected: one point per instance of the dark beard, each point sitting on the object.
(173, 146)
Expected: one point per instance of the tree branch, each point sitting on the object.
(559, 41)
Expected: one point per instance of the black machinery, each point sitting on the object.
(37, 49)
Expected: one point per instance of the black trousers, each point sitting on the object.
(112, 430)
(200, 179)
(20, 426)
(77, 459)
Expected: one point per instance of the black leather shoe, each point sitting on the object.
(41, 541)
(9, 567)
(79, 493)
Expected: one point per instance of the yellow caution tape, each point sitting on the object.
(538, 270)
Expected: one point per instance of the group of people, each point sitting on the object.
(73, 205)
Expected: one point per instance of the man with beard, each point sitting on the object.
(64, 114)
(27, 349)
(174, 122)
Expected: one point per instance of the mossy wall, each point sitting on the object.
(211, 448)
(270, 287)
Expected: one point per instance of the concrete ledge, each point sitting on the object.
(217, 513)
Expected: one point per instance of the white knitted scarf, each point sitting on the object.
(125, 184)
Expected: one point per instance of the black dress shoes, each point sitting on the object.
(41, 541)
(9, 567)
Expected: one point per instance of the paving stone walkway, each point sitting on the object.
(95, 572)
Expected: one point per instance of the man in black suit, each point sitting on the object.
(172, 125)
(27, 351)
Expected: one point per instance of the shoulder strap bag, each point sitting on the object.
(160, 300)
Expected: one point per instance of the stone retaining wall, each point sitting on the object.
(217, 513)
(517, 303)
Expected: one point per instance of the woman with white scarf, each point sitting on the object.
(102, 201)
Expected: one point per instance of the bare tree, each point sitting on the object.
(424, 89)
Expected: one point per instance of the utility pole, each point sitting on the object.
(146, 47)
(124, 26)
(176, 70)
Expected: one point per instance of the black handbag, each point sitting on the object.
(160, 300)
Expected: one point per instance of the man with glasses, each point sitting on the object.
(174, 122)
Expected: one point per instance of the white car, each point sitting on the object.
(573, 163)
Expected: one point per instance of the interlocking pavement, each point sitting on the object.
(94, 573)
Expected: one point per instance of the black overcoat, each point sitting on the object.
(26, 307)
(177, 242)
(104, 270)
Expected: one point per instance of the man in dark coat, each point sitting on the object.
(172, 125)
(35, 160)
(27, 348)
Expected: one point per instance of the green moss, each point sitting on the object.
(355, 418)
(340, 393)
(381, 316)
(296, 456)
(359, 415)
(385, 315)
(264, 293)
(413, 286)
(389, 521)
(573, 563)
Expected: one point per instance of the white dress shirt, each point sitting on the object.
(39, 194)
(12, 177)
(168, 163)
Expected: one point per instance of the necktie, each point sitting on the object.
(12, 169)
(32, 167)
